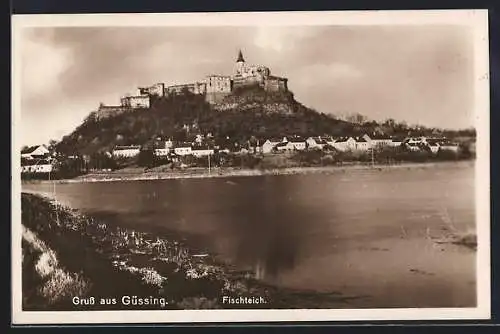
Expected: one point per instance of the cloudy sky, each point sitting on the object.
(419, 74)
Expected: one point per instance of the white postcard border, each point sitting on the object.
(477, 19)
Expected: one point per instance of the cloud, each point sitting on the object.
(43, 65)
(408, 73)
(282, 39)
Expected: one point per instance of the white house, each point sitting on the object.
(285, 146)
(378, 140)
(413, 146)
(330, 141)
(201, 152)
(299, 145)
(162, 152)
(44, 166)
(126, 151)
(270, 144)
(434, 147)
(447, 146)
(362, 144)
(183, 150)
(345, 144)
(396, 142)
(34, 152)
(316, 143)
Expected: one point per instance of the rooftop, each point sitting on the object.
(30, 149)
(127, 147)
(343, 139)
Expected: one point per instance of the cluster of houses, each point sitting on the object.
(36, 159)
(363, 143)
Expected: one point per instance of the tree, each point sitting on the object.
(390, 122)
(146, 158)
(52, 146)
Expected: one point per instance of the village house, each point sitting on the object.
(128, 151)
(41, 166)
(270, 144)
(162, 152)
(344, 144)
(433, 147)
(316, 143)
(448, 146)
(285, 147)
(413, 146)
(298, 144)
(378, 140)
(362, 144)
(201, 151)
(35, 152)
(396, 142)
(329, 140)
(183, 149)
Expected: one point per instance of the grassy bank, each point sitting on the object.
(46, 284)
(67, 254)
(159, 173)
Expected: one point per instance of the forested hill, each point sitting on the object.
(247, 113)
(239, 117)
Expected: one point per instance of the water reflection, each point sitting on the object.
(322, 232)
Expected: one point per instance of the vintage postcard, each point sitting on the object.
(250, 167)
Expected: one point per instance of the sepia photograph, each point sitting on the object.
(249, 167)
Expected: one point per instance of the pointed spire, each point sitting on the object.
(240, 57)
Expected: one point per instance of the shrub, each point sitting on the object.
(63, 286)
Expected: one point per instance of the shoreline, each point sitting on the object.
(139, 174)
(107, 261)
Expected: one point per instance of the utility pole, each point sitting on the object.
(209, 163)
(373, 158)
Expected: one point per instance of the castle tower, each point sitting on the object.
(240, 64)
(240, 58)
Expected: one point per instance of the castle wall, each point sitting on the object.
(248, 81)
(110, 111)
(141, 101)
(157, 89)
(275, 84)
(197, 88)
(218, 84)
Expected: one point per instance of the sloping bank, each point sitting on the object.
(67, 255)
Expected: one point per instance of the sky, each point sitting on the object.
(419, 74)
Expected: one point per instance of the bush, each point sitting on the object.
(146, 158)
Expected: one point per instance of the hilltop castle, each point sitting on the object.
(213, 87)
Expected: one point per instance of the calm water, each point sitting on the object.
(363, 233)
